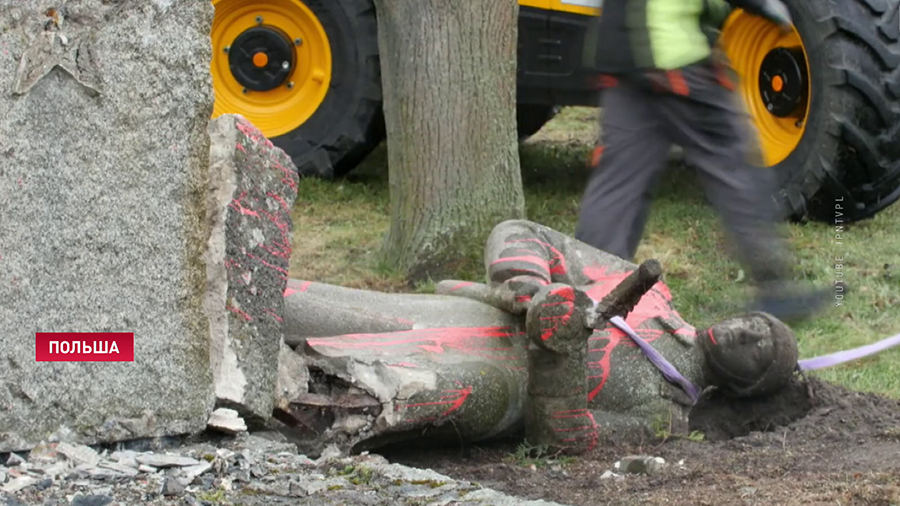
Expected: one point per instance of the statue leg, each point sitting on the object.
(457, 370)
(521, 257)
(524, 248)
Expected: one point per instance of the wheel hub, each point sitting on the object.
(262, 58)
(783, 82)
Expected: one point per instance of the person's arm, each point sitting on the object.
(715, 13)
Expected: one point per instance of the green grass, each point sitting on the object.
(339, 225)
(527, 455)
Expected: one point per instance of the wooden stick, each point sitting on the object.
(625, 296)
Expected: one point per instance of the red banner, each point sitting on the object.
(84, 346)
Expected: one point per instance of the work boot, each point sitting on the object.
(790, 302)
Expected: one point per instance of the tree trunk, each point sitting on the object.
(449, 79)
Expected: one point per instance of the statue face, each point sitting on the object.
(752, 354)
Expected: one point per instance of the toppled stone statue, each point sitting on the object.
(462, 364)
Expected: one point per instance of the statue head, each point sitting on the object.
(749, 355)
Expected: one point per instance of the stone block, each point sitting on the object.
(104, 158)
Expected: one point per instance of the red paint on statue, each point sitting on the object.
(567, 294)
(591, 436)
(476, 341)
(557, 262)
(654, 305)
(453, 399)
(462, 285)
(295, 286)
(538, 262)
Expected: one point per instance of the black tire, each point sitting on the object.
(850, 152)
(349, 123)
(530, 118)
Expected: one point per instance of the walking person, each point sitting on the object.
(662, 85)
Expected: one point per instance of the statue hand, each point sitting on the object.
(513, 295)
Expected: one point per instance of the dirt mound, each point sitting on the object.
(805, 405)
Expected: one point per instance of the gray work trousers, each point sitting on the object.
(694, 108)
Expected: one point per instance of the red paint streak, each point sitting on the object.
(556, 263)
(523, 298)
(273, 314)
(280, 200)
(267, 264)
(257, 137)
(283, 247)
(405, 321)
(591, 435)
(403, 364)
(241, 148)
(529, 259)
(462, 285)
(277, 249)
(454, 398)
(711, 336)
(532, 272)
(239, 312)
(252, 132)
(655, 305)
(236, 205)
(567, 293)
(301, 286)
(475, 341)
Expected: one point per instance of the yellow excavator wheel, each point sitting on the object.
(747, 40)
(288, 105)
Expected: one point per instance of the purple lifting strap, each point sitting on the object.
(839, 357)
(667, 369)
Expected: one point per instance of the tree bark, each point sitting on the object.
(449, 78)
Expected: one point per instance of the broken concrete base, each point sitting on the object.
(293, 376)
(252, 188)
(457, 370)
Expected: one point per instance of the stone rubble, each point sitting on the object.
(640, 464)
(227, 421)
(249, 469)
